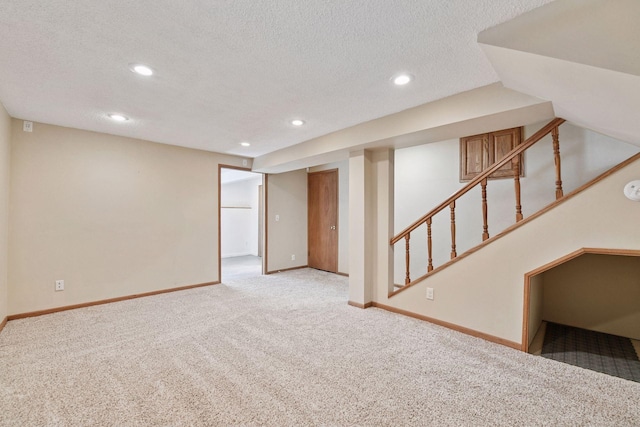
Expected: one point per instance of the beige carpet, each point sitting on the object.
(283, 350)
(241, 267)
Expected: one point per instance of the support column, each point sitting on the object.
(370, 225)
(383, 218)
(360, 240)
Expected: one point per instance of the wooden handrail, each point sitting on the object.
(553, 124)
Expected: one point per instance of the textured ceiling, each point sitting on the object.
(238, 70)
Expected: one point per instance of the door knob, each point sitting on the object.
(333, 227)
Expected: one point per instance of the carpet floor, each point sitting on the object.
(282, 350)
(241, 267)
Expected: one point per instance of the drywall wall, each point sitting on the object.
(5, 158)
(343, 211)
(596, 292)
(286, 220)
(536, 298)
(239, 215)
(485, 291)
(426, 175)
(111, 216)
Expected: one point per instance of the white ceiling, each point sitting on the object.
(238, 70)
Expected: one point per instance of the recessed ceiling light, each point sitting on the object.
(402, 79)
(143, 70)
(118, 117)
(245, 144)
(297, 122)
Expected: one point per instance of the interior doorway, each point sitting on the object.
(241, 214)
(323, 220)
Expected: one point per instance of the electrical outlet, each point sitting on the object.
(27, 126)
(430, 293)
(277, 217)
(59, 285)
(293, 257)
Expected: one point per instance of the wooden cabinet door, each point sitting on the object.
(323, 220)
(478, 152)
(501, 143)
(474, 155)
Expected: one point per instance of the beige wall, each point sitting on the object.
(343, 211)
(536, 298)
(287, 199)
(485, 291)
(111, 216)
(596, 292)
(5, 157)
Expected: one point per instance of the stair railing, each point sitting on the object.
(514, 157)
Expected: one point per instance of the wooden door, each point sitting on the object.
(323, 220)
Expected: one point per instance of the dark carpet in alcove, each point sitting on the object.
(609, 354)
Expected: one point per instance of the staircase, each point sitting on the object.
(422, 228)
(481, 181)
(481, 291)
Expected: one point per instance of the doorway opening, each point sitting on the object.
(583, 309)
(241, 250)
